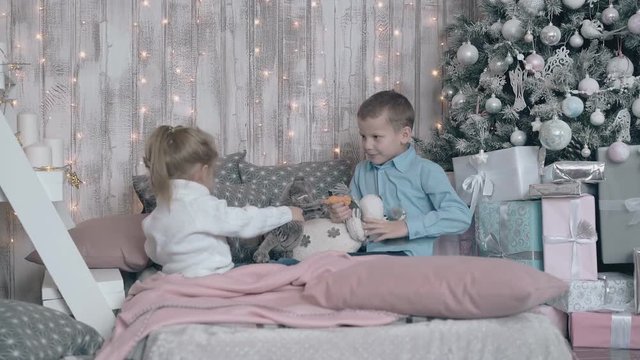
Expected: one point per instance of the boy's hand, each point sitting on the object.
(380, 229)
(339, 212)
(296, 213)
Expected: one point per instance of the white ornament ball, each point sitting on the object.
(518, 137)
(550, 35)
(576, 40)
(496, 28)
(467, 54)
(448, 92)
(508, 59)
(588, 85)
(635, 108)
(573, 4)
(620, 66)
(610, 15)
(533, 7)
(458, 100)
(536, 61)
(585, 152)
(493, 105)
(572, 106)
(528, 37)
(618, 152)
(498, 66)
(555, 134)
(597, 118)
(512, 30)
(633, 24)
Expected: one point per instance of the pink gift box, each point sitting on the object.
(605, 330)
(569, 237)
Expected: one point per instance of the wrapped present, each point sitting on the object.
(619, 208)
(605, 330)
(569, 236)
(611, 292)
(567, 189)
(509, 171)
(463, 244)
(569, 171)
(558, 318)
(636, 279)
(510, 230)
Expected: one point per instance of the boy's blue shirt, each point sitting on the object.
(421, 188)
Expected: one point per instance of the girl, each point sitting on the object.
(187, 231)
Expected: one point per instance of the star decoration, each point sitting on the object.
(536, 124)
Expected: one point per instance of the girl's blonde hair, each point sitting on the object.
(173, 152)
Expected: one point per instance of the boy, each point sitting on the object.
(407, 183)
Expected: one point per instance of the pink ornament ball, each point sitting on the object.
(535, 61)
(618, 152)
(633, 25)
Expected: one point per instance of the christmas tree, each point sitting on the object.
(554, 73)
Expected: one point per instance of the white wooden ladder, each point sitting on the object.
(48, 233)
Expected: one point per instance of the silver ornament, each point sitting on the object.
(620, 66)
(512, 30)
(635, 108)
(618, 152)
(448, 92)
(585, 152)
(508, 59)
(458, 100)
(498, 66)
(588, 86)
(496, 28)
(597, 118)
(576, 41)
(518, 137)
(573, 4)
(550, 35)
(633, 24)
(528, 37)
(610, 15)
(493, 105)
(555, 134)
(467, 54)
(572, 106)
(535, 62)
(533, 7)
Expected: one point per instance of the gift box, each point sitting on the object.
(636, 279)
(619, 207)
(604, 330)
(508, 171)
(570, 171)
(463, 244)
(569, 236)
(510, 230)
(611, 292)
(568, 189)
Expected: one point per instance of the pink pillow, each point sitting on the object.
(109, 242)
(456, 287)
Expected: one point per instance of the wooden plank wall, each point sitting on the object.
(279, 78)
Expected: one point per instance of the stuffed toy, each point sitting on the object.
(324, 235)
(286, 237)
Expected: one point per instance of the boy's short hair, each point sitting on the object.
(399, 109)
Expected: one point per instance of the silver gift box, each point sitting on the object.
(568, 189)
(611, 292)
(571, 171)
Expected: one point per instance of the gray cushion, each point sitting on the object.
(323, 175)
(29, 331)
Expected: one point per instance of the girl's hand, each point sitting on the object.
(296, 213)
(380, 229)
(339, 212)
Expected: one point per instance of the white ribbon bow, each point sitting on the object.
(580, 233)
(633, 206)
(475, 183)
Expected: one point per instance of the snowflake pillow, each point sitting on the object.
(323, 235)
(323, 175)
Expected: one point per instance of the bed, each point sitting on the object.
(271, 311)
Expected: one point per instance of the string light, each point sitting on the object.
(377, 79)
(176, 98)
(256, 50)
(165, 21)
(296, 24)
(143, 80)
(435, 72)
(144, 54)
(145, 3)
(314, 4)
(291, 133)
(380, 4)
(178, 71)
(143, 109)
(82, 54)
(256, 21)
(39, 36)
(396, 32)
(320, 81)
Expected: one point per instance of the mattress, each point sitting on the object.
(522, 336)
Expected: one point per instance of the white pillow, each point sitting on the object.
(323, 235)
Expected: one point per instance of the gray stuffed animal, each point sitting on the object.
(286, 237)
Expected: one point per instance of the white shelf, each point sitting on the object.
(52, 182)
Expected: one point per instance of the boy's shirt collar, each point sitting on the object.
(401, 162)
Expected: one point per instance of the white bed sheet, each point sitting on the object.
(523, 336)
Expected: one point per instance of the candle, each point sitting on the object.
(39, 154)
(57, 151)
(28, 128)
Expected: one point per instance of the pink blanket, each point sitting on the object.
(257, 294)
